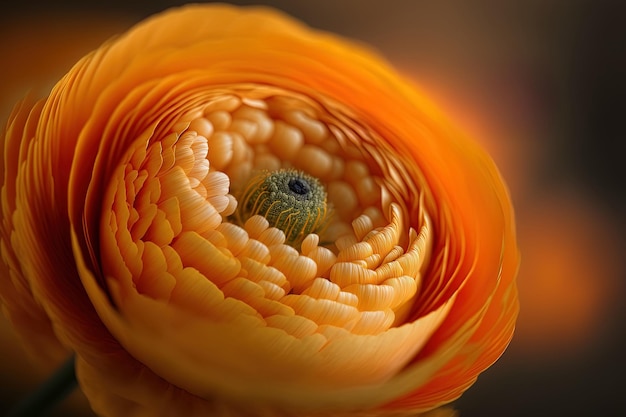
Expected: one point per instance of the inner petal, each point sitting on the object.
(189, 206)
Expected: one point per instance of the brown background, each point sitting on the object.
(540, 83)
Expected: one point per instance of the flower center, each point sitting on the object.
(290, 200)
(232, 205)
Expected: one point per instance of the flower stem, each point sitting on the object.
(51, 391)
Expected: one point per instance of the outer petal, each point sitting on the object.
(18, 304)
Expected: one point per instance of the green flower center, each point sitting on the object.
(290, 200)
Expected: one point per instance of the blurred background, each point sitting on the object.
(541, 83)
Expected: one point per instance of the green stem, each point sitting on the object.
(51, 391)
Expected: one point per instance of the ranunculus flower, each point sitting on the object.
(224, 212)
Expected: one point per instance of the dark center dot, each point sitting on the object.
(299, 186)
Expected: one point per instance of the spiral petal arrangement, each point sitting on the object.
(225, 212)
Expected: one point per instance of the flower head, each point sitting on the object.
(223, 211)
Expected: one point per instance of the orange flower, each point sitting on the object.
(141, 230)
